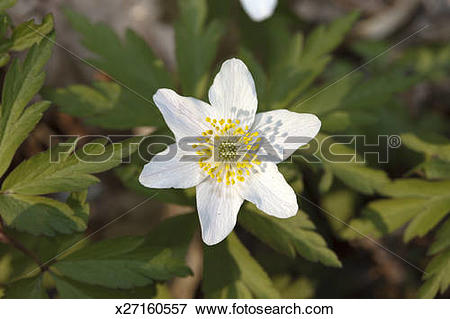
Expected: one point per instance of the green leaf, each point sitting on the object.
(379, 89)
(292, 236)
(435, 210)
(4, 58)
(362, 179)
(326, 99)
(442, 240)
(133, 261)
(384, 216)
(6, 4)
(196, 46)
(424, 203)
(414, 187)
(29, 288)
(60, 169)
(436, 169)
(29, 33)
(325, 39)
(105, 104)
(326, 180)
(39, 215)
(70, 289)
(77, 202)
(22, 82)
(240, 275)
(431, 145)
(437, 277)
(352, 172)
(291, 288)
(341, 205)
(131, 64)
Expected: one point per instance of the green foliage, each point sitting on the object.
(21, 37)
(442, 240)
(316, 47)
(293, 66)
(240, 275)
(72, 172)
(422, 203)
(130, 63)
(353, 173)
(39, 215)
(22, 82)
(70, 289)
(63, 169)
(28, 33)
(292, 236)
(132, 261)
(196, 46)
(437, 278)
(291, 70)
(29, 288)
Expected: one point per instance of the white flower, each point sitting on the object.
(230, 141)
(259, 10)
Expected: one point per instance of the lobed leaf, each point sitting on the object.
(437, 277)
(43, 174)
(135, 69)
(196, 46)
(132, 261)
(29, 33)
(240, 275)
(22, 82)
(39, 215)
(292, 236)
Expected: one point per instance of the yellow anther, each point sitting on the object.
(240, 178)
(229, 121)
(222, 121)
(237, 121)
(208, 119)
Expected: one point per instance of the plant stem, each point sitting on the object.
(5, 238)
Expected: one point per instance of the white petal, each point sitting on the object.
(168, 171)
(284, 131)
(218, 206)
(270, 192)
(259, 10)
(185, 116)
(233, 93)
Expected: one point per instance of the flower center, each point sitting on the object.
(228, 151)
